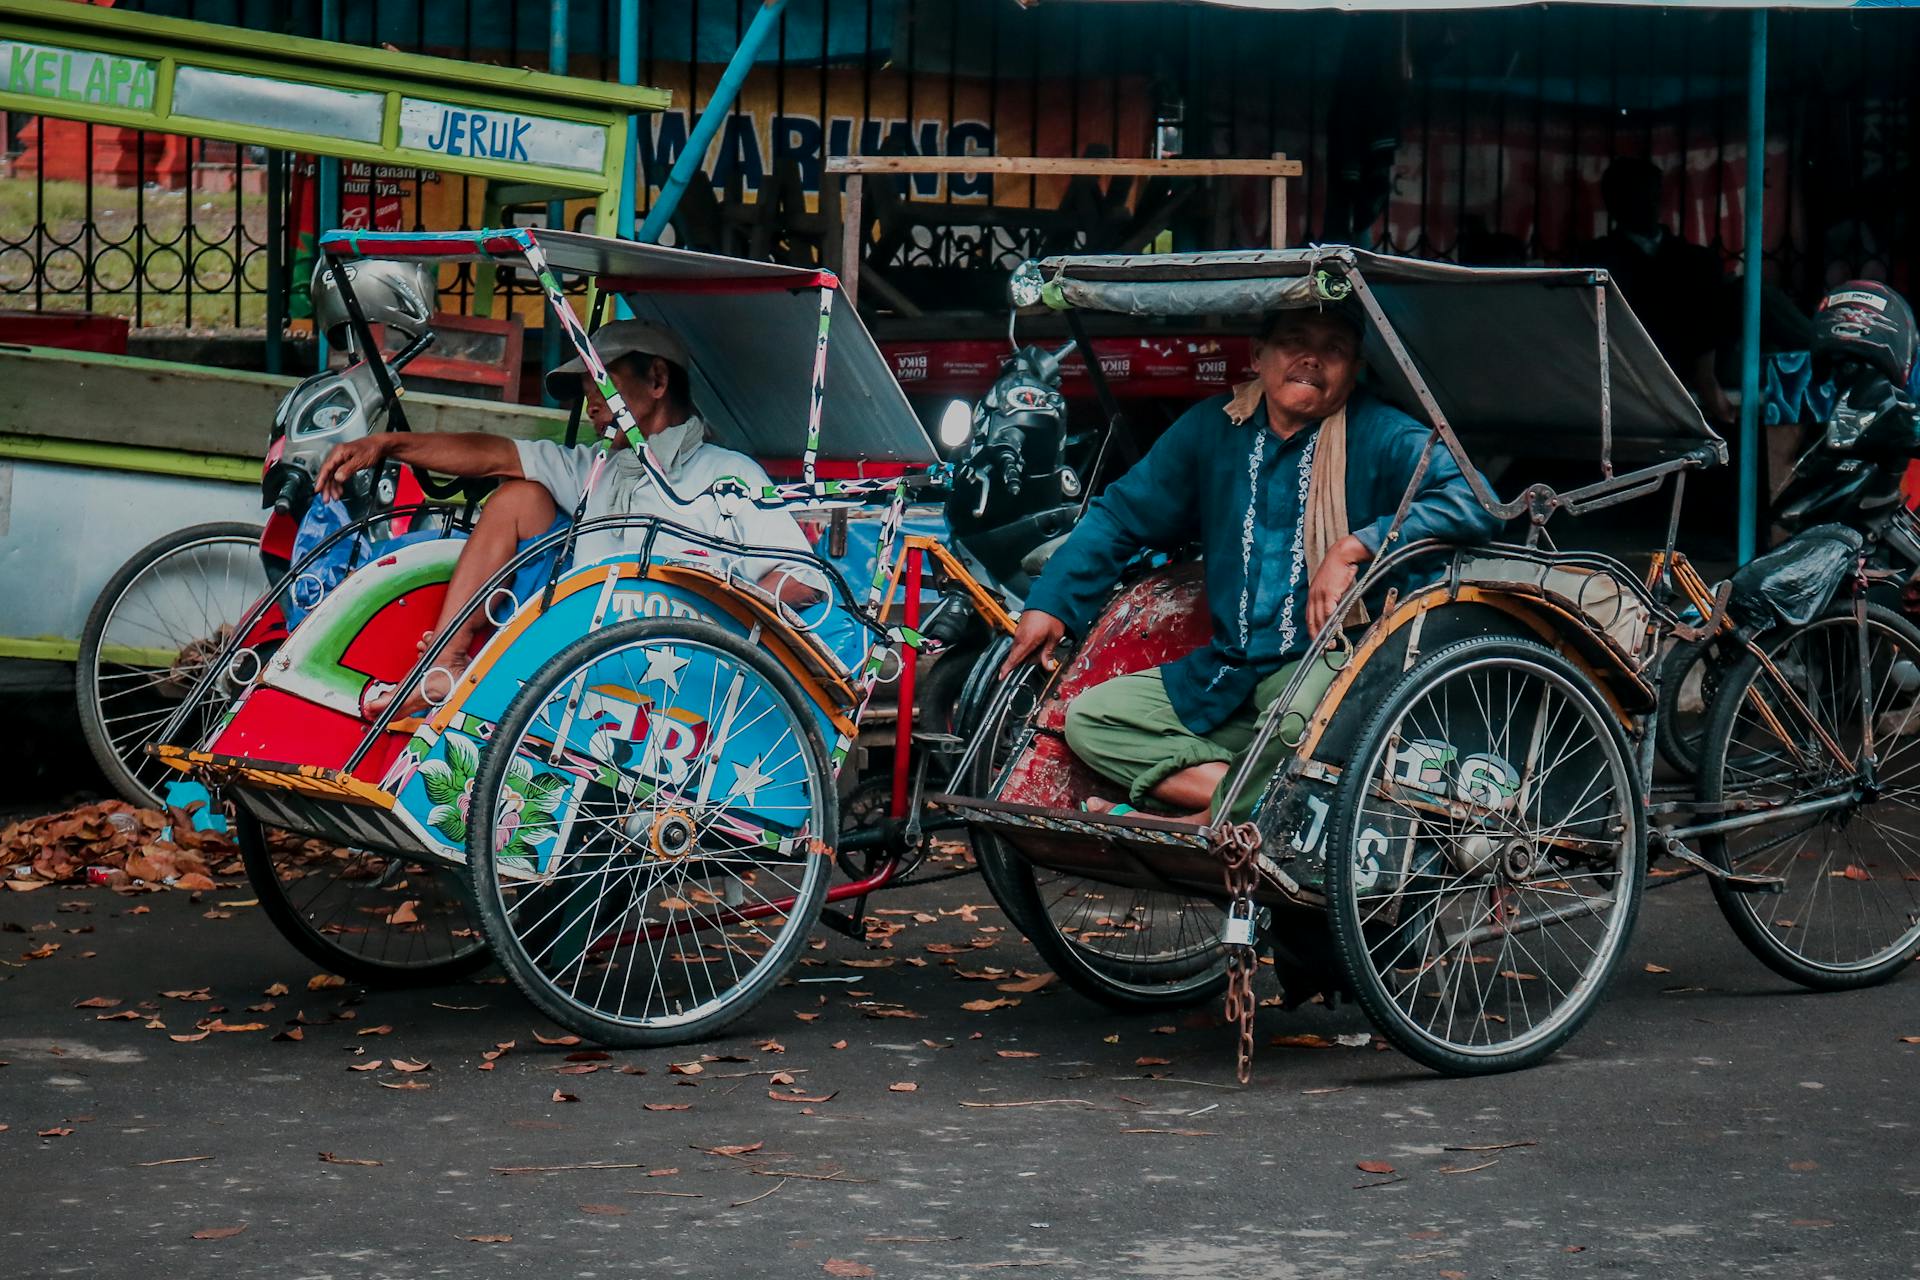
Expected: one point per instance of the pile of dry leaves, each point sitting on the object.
(122, 842)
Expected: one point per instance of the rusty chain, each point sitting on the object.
(1236, 843)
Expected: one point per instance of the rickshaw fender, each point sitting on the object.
(1435, 617)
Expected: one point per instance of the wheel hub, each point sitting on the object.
(1517, 859)
(671, 835)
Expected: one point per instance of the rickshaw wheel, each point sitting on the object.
(337, 906)
(688, 882)
(1133, 950)
(160, 619)
(1850, 914)
(1485, 857)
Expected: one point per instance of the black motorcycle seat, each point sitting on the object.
(1791, 584)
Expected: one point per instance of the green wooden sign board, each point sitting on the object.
(103, 65)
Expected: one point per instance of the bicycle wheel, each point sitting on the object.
(164, 615)
(1689, 676)
(377, 918)
(649, 832)
(1485, 857)
(1850, 914)
(1134, 950)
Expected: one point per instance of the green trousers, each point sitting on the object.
(1126, 730)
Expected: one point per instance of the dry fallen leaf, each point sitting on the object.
(1373, 1166)
(405, 1084)
(1152, 1062)
(291, 1033)
(846, 1267)
(327, 1157)
(1910, 1039)
(406, 913)
(97, 1002)
(666, 1106)
(375, 1065)
(903, 1086)
(565, 1097)
(982, 1006)
(684, 1068)
(382, 1030)
(218, 1025)
(321, 981)
(219, 1233)
(1015, 1053)
(1658, 968)
(1029, 984)
(277, 989)
(801, 1097)
(54, 1133)
(402, 1064)
(500, 1239)
(608, 1210)
(189, 1039)
(556, 1039)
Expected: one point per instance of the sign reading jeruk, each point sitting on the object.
(450, 130)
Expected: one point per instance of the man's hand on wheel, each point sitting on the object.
(348, 460)
(1331, 580)
(1036, 635)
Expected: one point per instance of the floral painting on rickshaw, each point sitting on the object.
(525, 817)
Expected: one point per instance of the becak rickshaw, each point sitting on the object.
(1455, 831)
(637, 764)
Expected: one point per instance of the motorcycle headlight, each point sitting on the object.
(956, 424)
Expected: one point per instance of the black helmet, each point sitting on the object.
(1864, 320)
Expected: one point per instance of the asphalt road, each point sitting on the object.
(1709, 1121)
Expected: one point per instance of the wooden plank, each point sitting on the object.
(158, 404)
(1035, 166)
(853, 239)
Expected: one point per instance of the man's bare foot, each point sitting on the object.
(377, 702)
(1096, 804)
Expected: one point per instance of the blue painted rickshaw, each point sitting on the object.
(631, 794)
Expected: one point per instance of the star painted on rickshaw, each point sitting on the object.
(747, 779)
(665, 666)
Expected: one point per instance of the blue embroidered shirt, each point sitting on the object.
(1241, 492)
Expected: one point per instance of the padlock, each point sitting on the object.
(1239, 928)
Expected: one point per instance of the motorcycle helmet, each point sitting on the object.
(1865, 322)
(397, 294)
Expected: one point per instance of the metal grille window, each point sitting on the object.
(1470, 136)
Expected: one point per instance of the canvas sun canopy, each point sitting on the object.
(1504, 352)
(751, 330)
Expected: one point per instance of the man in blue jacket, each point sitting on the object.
(1289, 485)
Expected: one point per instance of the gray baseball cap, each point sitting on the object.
(613, 340)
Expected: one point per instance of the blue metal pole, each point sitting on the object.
(326, 204)
(630, 74)
(559, 15)
(717, 107)
(1752, 457)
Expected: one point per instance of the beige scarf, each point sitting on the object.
(1326, 521)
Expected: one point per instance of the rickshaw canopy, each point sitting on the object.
(1504, 351)
(751, 330)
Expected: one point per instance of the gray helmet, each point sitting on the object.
(398, 294)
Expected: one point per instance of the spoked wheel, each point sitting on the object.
(1485, 858)
(159, 621)
(649, 834)
(374, 917)
(1850, 913)
(1135, 950)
